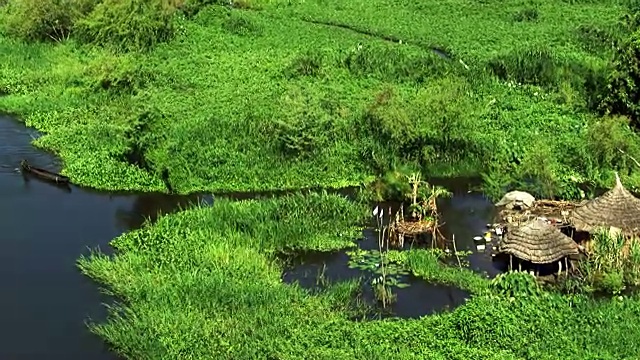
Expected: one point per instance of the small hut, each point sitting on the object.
(538, 243)
(617, 208)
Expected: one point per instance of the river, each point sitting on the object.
(45, 300)
(44, 229)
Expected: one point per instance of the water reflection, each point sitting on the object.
(148, 207)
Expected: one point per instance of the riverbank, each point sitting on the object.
(205, 283)
(289, 95)
(216, 271)
(233, 103)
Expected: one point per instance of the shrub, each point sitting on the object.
(515, 284)
(528, 14)
(193, 7)
(537, 66)
(127, 25)
(614, 263)
(433, 125)
(624, 82)
(307, 64)
(307, 124)
(610, 141)
(120, 74)
(396, 63)
(597, 39)
(240, 24)
(45, 20)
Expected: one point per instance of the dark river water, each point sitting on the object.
(43, 230)
(46, 301)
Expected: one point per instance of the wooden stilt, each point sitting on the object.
(559, 267)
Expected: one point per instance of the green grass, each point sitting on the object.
(293, 94)
(266, 97)
(204, 284)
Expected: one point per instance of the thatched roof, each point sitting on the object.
(616, 208)
(538, 242)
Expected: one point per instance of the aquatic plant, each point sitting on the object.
(366, 118)
(375, 262)
(515, 285)
(613, 263)
(203, 284)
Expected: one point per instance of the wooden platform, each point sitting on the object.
(413, 228)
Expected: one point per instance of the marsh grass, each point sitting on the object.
(204, 284)
(614, 263)
(331, 106)
(242, 104)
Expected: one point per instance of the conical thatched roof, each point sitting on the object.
(538, 242)
(616, 208)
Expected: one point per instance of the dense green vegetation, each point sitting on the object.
(247, 95)
(256, 95)
(205, 284)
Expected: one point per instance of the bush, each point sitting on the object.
(307, 64)
(307, 124)
(45, 20)
(239, 24)
(396, 63)
(515, 284)
(119, 74)
(528, 14)
(538, 66)
(614, 263)
(127, 25)
(434, 125)
(597, 39)
(193, 7)
(624, 82)
(610, 141)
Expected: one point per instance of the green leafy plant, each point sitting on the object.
(127, 25)
(515, 285)
(305, 127)
(373, 261)
(614, 263)
(45, 20)
(623, 96)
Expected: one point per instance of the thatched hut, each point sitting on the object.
(539, 243)
(617, 208)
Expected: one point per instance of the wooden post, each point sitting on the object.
(510, 262)
(559, 267)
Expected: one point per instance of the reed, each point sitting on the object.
(381, 289)
(204, 284)
(379, 105)
(613, 263)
